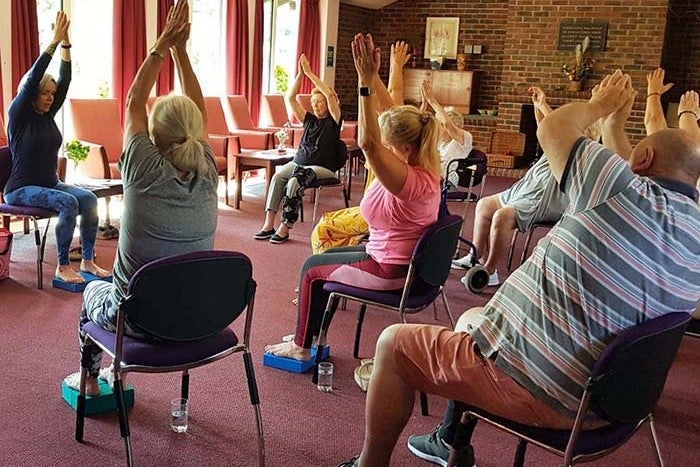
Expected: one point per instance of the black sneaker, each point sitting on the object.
(278, 238)
(433, 449)
(351, 463)
(264, 234)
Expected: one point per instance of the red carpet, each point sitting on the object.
(303, 427)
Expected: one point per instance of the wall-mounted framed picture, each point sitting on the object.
(441, 36)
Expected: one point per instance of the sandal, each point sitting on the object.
(363, 373)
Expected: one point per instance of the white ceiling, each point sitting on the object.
(371, 4)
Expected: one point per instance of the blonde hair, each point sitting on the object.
(405, 124)
(42, 83)
(175, 124)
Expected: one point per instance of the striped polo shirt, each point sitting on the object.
(626, 250)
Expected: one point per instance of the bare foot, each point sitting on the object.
(89, 265)
(67, 274)
(92, 388)
(282, 230)
(289, 350)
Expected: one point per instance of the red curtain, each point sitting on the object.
(309, 41)
(129, 46)
(25, 39)
(166, 78)
(256, 79)
(237, 47)
(2, 101)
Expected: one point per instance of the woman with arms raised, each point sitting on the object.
(318, 156)
(399, 204)
(170, 179)
(34, 141)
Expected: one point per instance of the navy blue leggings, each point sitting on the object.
(70, 202)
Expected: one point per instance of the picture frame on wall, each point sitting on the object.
(441, 37)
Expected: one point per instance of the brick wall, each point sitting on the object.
(519, 39)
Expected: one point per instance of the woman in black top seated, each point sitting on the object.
(317, 157)
(34, 141)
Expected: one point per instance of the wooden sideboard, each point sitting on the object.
(451, 88)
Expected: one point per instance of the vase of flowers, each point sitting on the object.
(282, 137)
(581, 67)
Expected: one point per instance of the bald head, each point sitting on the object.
(670, 153)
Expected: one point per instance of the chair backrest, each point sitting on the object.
(507, 142)
(5, 167)
(305, 101)
(432, 255)
(216, 121)
(273, 111)
(237, 113)
(629, 376)
(189, 296)
(97, 121)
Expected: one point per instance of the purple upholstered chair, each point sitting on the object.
(186, 303)
(25, 212)
(427, 273)
(624, 388)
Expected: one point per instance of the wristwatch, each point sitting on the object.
(365, 91)
(154, 51)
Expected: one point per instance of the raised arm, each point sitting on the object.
(188, 80)
(399, 58)
(65, 70)
(688, 113)
(330, 95)
(456, 133)
(539, 100)
(654, 119)
(559, 131)
(613, 127)
(176, 27)
(29, 85)
(296, 107)
(389, 170)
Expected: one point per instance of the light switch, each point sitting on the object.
(477, 49)
(468, 49)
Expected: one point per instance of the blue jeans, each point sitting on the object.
(70, 202)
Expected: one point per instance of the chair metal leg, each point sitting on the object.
(358, 330)
(123, 418)
(424, 404)
(655, 440)
(185, 385)
(331, 306)
(318, 195)
(40, 241)
(511, 250)
(447, 308)
(80, 409)
(255, 401)
(519, 460)
(527, 245)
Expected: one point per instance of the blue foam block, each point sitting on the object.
(296, 366)
(61, 284)
(105, 402)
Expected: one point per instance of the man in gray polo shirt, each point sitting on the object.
(626, 250)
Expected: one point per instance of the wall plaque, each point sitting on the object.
(572, 33)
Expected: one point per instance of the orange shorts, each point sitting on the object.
(436, 360)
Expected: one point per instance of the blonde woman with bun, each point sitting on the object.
(170, 180)
(401, 149)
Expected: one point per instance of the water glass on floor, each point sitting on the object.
(325, 377)
(178, 415)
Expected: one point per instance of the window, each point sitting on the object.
(208, 44)
(279, 44)
(91, 32)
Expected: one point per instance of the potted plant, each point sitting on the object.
(579, 70)
(77, 152)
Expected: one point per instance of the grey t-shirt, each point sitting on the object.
(163, 215)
